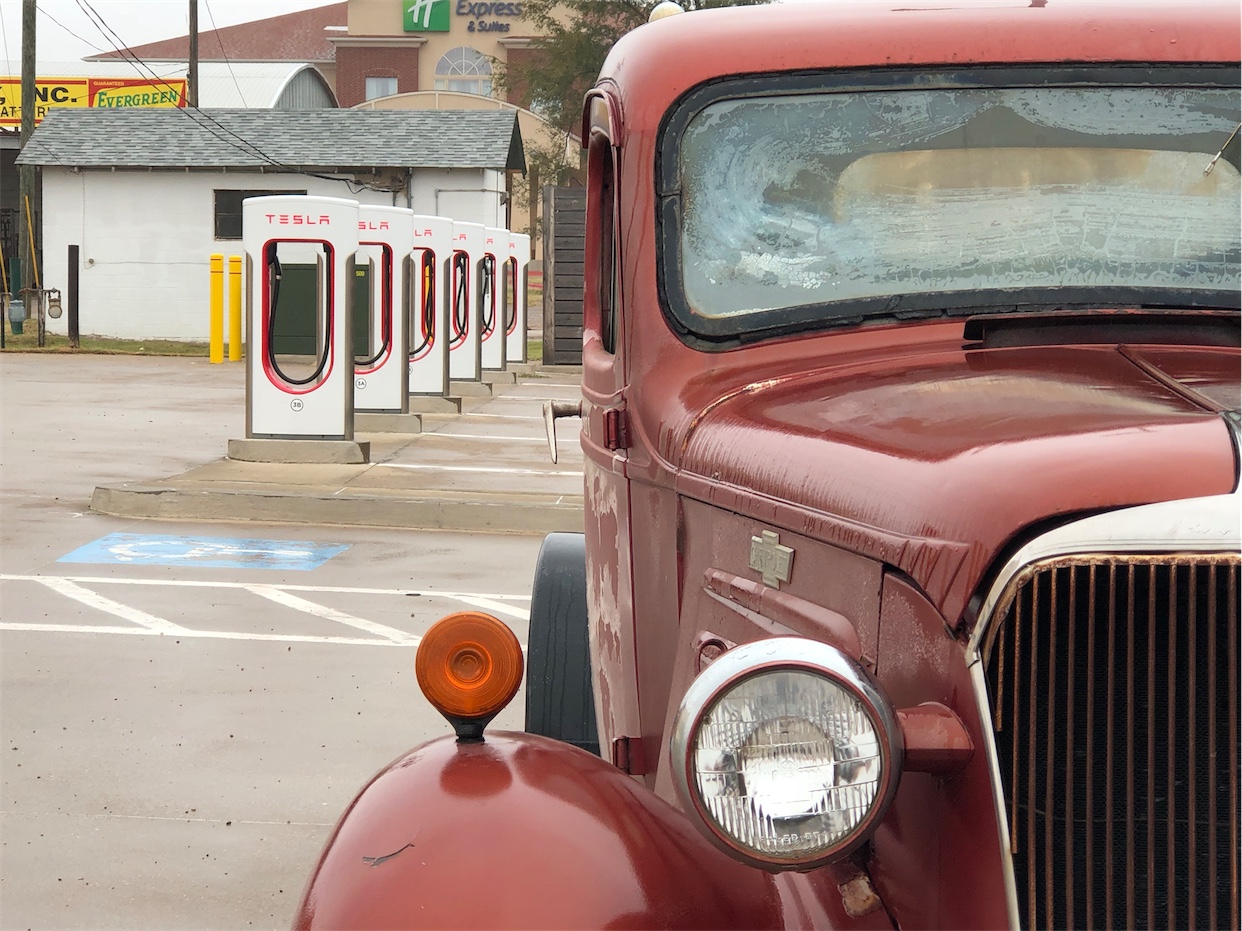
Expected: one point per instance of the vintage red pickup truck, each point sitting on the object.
(908, 593)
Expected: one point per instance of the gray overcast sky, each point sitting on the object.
(135, 21)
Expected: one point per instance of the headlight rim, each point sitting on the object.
(757, 658)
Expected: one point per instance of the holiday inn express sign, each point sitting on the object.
(88, 92)
(436, 15)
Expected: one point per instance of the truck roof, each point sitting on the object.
(656, 63)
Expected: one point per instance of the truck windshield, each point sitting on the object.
(815, 208)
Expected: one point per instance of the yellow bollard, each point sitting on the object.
(235, 308)
(217, 308)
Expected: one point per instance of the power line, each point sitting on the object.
(224, 51)
(4, 33)
(250, 148)
(67, 29)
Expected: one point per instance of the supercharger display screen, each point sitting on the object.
(487, 293)
(460, 316)
(373, 270)
(423, 324)
(298, 277)
(509, 293)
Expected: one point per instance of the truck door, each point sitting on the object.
(607, 520)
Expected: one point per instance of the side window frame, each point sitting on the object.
(602, 292)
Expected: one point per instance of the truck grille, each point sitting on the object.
(1119, 760)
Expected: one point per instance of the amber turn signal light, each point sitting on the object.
(469, 665)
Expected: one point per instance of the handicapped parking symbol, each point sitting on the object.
(204, 552)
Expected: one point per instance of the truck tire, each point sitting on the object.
(560, 700)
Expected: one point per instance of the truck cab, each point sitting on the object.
(908, 588)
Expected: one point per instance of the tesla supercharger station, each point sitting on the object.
(429, 321)
(463, 302)
(516, 270)
(300, 261)
(381, 375)
(491, 306)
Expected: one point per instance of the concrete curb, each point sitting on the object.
(474, 512)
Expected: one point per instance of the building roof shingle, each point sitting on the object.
(273, 139)
(297, 36)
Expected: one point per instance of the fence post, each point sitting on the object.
(235, 308)
(216, 309)
(74, 334)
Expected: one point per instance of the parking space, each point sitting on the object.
(187, 707)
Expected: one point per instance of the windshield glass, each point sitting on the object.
(849, 204)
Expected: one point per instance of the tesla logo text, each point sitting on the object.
(422, 232)
(297, 219)
(372, 225)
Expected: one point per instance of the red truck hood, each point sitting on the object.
(935, 464)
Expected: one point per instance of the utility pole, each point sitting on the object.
(192, 90)
(28, 177)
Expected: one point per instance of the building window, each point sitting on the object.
(381, 87)
(464, 69)
(229, 211)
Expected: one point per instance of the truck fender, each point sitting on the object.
(521, 831)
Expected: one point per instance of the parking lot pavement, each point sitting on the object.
(186, 707)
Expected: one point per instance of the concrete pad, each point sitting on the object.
(470, 389)
(515, 481)
(434, 404)
(242, 473)
(499, 378)
(376, 422)
(304, 451)
(484, 470)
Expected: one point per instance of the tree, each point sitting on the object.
(576, 38)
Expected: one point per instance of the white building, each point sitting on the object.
(149, 195)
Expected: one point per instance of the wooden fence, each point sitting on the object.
(564, 217)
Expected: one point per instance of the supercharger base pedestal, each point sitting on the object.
(301, 451)
(299, 370)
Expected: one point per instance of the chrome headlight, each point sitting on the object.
(785, 753)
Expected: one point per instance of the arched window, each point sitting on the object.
(464, 69)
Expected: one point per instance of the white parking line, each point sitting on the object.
(189, 634)
(494, 606)
(530, 397)
(107, 605)
(330, 614)
(498, 439)
(436, 468)
(193, 583)
(150, 625)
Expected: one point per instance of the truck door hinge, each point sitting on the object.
(616, 429)
(628, 755)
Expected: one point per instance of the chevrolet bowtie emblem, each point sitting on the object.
(770, 559)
